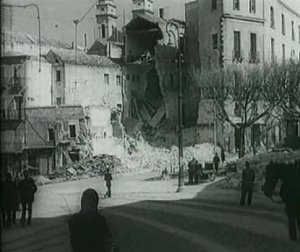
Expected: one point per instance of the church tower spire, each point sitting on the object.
(106, 19)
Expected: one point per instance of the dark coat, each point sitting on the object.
(248, 178)
(27, 190)
(8, 195)
(89, 233)
(108, 178)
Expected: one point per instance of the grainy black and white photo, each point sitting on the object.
(150, 126)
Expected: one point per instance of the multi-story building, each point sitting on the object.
(225, 32)
(248, 31)
(58, 108)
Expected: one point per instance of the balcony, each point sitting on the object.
(237, 56)
(12, 114)
(254, 57)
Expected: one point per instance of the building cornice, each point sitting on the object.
(288, 8)
(243, 18)
(107, 15)
(105, 4)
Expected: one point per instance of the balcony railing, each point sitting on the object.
(254, 57)
(12, 114)
(237, 56)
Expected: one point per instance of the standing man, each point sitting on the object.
(8, 196)
(27, 191)
(108, 179)
(222, 155)
(248, 178)
(216, 162)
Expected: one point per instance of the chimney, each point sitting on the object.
(162, 13)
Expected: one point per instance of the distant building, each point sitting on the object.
(109, 40)
(221, 33)
(240, 31)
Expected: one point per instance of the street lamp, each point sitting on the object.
(178, 45)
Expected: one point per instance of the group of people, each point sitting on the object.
(14, 193)
(194, 171)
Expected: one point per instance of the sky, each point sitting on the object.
(57, 16)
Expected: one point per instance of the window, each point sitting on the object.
(214, 4)
(58, 101)
(72, 130)
(293, 31)
(50, 134)
(16, 72)
(58, 77)
(215, 41)
(237, 45)
(106, 79)
(252, 7)
(283, 52)
(103, 31)
(272, 20)
(236, 4)
(253, 53)
(272, 49)
(119, 80)
(293, 53)
(282, 24)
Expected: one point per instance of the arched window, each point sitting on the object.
(103, 31)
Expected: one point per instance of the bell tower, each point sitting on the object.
(142, 7)
(106, 19)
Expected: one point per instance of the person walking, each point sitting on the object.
(216, 162)
(108, 179)
(8, 199)
(89, 231)
(27, 191)
(248, 178)
(222, 155)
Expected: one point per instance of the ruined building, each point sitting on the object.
(151, 78)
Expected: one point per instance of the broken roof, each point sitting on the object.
(68, 56)
(23, 38)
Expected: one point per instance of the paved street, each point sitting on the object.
(205, 219)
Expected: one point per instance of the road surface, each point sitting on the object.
(146, 220)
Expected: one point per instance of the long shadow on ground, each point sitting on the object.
(211, 221)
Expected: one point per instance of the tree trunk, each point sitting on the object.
(242, 142)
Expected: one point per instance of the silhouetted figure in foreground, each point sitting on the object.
(108, 179)
(289, 175)
(88, 228)
(27, 191)
(8, 200)
(248, 178)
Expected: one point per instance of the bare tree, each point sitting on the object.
(251, 89)
(290, 92)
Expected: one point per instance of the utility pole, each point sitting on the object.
(179, 47)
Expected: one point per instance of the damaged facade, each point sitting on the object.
(151, 78)
(60, 114)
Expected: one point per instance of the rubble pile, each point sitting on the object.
(90, 167)
(258, 163)
(144, 157)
